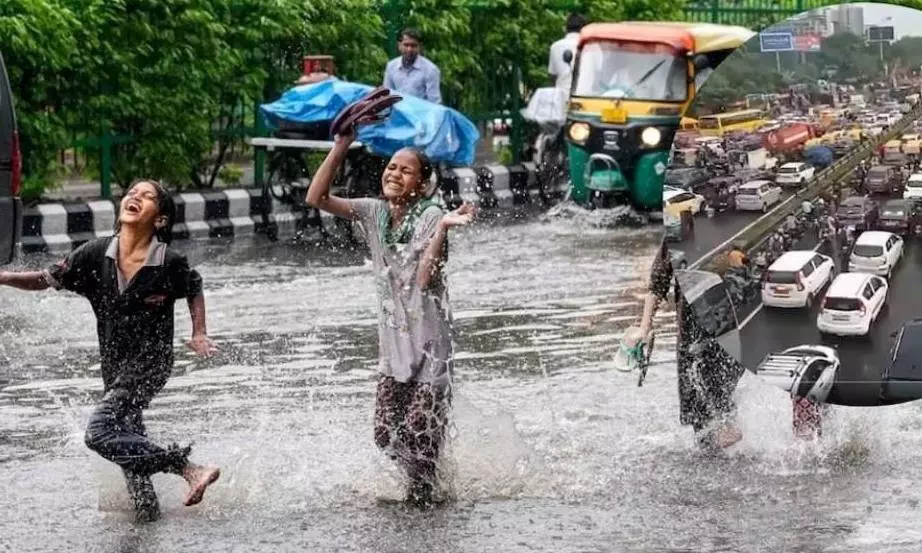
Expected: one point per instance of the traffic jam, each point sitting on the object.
(810, 298)
(743, 162)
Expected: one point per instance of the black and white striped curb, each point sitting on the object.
(60, 227)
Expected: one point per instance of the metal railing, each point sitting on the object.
(756, 232)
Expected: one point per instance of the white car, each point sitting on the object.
(876, 252)
(886, 119)
(757, 195)
(795, 173)
(807, 371)
(852, 303)
(674, 196)
(796, 278)
(913, 190)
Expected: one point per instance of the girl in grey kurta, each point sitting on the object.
(406, 232)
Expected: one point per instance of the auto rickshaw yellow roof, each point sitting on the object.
(695, 37)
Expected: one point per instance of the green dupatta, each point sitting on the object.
(403, 233)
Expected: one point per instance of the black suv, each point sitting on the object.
(903, 379)
(10, 172)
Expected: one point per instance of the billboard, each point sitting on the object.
(776, 42)
(807, 43)
(880, 34)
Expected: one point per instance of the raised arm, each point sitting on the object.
(430, 265)
(661, 277)
(318, 194)
(77, 273)
(32, 280)
(436, 233)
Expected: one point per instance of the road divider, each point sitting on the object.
(233, 213)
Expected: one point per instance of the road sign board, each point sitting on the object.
(776, 42)
(880, 34)
(807, 43)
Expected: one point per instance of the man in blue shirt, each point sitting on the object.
(412, 74)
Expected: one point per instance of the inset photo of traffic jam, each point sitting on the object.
(796, 178)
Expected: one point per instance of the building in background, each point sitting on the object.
(814, 23)
(847, 19)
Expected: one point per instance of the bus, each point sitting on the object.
(745, 120)
(757, 101)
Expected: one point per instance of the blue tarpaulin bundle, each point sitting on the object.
(442, 133)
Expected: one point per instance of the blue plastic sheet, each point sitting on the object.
(443, 134)
(819, 156)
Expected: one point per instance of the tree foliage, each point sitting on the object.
(170, 73)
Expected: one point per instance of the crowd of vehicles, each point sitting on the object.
(745, 161)
(866, 222)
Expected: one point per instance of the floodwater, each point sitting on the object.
(551, 450)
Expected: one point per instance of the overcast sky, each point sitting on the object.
(906, 21)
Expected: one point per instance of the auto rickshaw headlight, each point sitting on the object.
(579, 132)
(651, 136)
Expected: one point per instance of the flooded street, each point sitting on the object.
(551, 449)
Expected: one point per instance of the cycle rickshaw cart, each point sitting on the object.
(300, 124)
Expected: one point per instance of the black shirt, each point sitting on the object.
(134, 321)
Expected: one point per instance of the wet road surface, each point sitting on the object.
(552, 449)
(711, 232)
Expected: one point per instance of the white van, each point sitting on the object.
(913, 190)
(795, 173)
(796, 279)
(757, 195)
(852, 303)
(876, 252)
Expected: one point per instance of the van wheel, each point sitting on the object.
(809, 303)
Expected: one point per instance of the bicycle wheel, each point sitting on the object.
(285, 183)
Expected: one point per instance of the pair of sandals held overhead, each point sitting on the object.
(374, 107)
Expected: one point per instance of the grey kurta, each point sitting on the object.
(414, 325)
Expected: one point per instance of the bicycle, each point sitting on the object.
(288, 178)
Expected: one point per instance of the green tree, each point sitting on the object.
(177, 76)
(36, 38)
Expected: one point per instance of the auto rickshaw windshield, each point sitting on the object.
(651, 72)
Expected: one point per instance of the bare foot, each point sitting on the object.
(199, 478)
(727, 436)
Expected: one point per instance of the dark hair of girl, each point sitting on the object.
(166, 207)
(425, 166)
